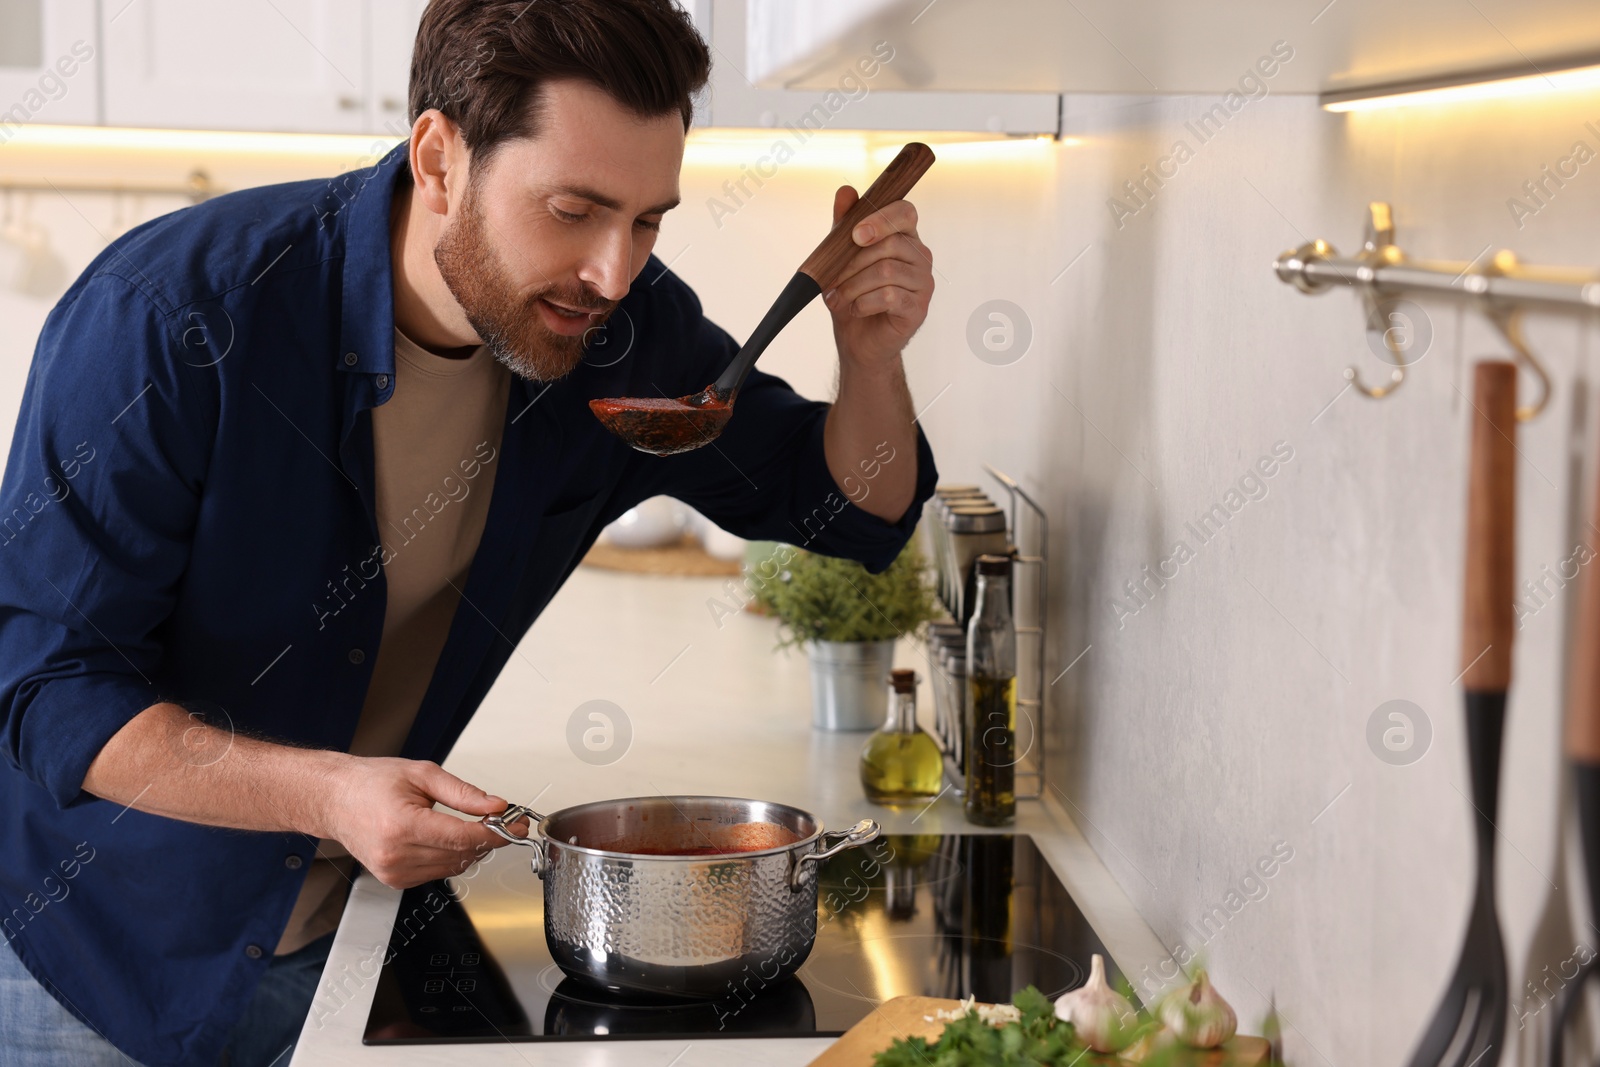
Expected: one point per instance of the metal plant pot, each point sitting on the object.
(849, 683)
(687, 925)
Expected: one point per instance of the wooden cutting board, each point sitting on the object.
(905, 1017)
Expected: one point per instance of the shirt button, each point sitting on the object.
(253, 951)
(294, 863)
(383, 382)
(350, 359)
(357, 656)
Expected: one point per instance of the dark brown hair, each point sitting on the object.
(483, 62)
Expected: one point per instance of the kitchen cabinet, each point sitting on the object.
(394, 30)
(49, 64)
(1159, 46)
(342, 66)
(290, 65)
(699, 12)
(301, 66)
(848, 98)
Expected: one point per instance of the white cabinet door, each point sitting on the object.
(858, 98)
(290, 65)
(394, 31)
(49, 65)
(700, 13)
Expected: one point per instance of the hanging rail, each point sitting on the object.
(1381, 272)
(1317, 267)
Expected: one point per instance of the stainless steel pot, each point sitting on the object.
(690, 925)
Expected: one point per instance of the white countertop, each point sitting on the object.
(713, 709)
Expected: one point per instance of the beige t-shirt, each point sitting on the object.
(435, 443)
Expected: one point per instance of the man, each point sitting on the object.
(294, 471)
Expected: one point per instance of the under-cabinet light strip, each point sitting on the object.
(1563, 76)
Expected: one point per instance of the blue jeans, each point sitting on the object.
(39, 1032)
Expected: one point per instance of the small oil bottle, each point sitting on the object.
(991, 798)
(901, 763)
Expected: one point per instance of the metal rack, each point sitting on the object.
(1027, 534)
(1499, 283)
(1030, 547)
(1317, 266)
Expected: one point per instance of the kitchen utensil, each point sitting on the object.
(901, 1017)
(682, 924)
(906, 1017)
(900, 915)
(1468, 1028)
(665, 425)
(1581, 743)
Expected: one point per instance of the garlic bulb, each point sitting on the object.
(1102, 1017)
(1197, 1015)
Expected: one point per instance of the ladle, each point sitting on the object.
(665, 425)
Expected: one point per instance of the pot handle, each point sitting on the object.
(858, 835)
(516, 813)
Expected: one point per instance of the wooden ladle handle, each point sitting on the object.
(1491, 530)
(1583, 684)
(826, 263)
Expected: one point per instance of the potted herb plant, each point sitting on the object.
(847, 619)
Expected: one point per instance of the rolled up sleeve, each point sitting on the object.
(97, 509)
(767, 476)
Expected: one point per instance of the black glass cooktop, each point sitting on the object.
(940, 915)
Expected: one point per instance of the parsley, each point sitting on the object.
(1038, 1040)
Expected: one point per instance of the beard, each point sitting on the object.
(508, 320)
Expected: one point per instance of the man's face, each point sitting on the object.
(546, 238)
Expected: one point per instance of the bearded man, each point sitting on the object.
(297, 468)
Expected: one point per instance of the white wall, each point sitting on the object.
(1229, 714)
(1226, 716)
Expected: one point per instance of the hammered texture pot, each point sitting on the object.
(686, 925)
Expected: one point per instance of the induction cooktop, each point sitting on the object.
(940, 915)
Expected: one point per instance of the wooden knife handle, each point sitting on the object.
(1491, 530)
(826, 264)
(1583, 684)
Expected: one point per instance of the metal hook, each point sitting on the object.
(1376, 251)
(1507, 318)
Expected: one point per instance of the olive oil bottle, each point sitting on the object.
(991, 798)
(901, 763)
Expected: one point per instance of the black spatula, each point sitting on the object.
(1469, 1026)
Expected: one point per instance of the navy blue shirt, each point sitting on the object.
(187, 515)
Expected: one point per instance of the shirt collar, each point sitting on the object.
(366, 325)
